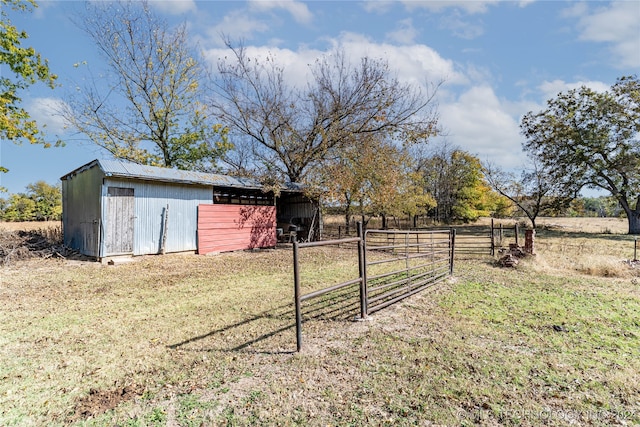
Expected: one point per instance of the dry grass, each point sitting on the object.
(587, 225)
(196, 340)
(582, 224)
(28, 226)
(570, 225)
(590, 246)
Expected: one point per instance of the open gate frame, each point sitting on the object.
(392, 265)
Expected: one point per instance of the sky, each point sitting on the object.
(497, 60)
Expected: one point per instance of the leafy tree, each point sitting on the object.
(21, 68)
(41, 202)
(295, 130)
(19, 207)
(502, 207)
(47, 200)
(534, 192)
(454, 178)
(373, 178)
(588, 138)
(151, 112)
(602, 206)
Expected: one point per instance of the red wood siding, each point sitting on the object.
(235, 227)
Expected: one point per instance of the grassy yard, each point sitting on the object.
(186, 340)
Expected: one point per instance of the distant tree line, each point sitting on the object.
(41, 202)
(602, 206)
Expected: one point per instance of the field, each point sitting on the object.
(187, 340)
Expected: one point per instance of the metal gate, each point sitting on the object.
(399, 264)
(392, 265)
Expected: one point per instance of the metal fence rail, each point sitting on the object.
(299, 298)
(392, 265)
(482, 240)
(474, 244)
(399, 264)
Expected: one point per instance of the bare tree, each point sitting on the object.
(296, 129)
(150, 109)
(535, 192)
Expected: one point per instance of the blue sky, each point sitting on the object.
(498, 59)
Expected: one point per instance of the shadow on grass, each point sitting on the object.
(342, 305)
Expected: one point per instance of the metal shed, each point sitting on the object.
(113, 208)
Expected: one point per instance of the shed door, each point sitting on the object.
(119, 221)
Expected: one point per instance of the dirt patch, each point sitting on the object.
(100, 401)
(20, 245)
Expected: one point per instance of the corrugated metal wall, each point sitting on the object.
(223, 227)
(300, 207)
(151, 201)
(81, 211)
(295, 205)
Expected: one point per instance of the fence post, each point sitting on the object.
(363, 272)
(407, 259)
(296, 291)
(453, 249)
(529, 241)
(493, 243)
(516, 229)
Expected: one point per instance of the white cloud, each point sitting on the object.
(295, 63)
(485, 126)
(378, 6)
(174, 7)
(618, 25)
(39, 11)
(405, 34)
(299, 11)
(525, 3)
(245, 23)
(576, 10)
(468, 6)
(45, 111)
(237, 25)
(551, 89)
(416, 64)
(460, 27)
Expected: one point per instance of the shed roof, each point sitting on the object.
(121, 169)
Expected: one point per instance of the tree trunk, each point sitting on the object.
(347, 217)
(634, 221)
(633, 215)
(347, 222)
